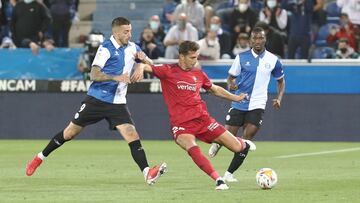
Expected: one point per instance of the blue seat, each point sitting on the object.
(333, 10)
(323, 53)
(323, 33)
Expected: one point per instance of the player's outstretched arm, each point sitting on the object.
(221, 92)
(281, 90)
(98, 76)
(139, 72)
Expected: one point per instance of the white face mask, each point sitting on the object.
(271, 4)
(184, 2)
(243, 7)
(28, 1)
(214, 27)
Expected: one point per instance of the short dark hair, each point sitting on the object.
(120, 21)
(187, 46)
(262, 25)
(257, 29)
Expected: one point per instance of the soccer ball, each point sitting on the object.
(266, 178)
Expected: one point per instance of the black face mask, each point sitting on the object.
(343, 50)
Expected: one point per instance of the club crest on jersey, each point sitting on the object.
(116, 53)
(267, 65)
(247, 63)
(182, 85)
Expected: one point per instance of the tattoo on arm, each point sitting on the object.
(98, 76)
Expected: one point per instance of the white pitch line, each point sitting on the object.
(318, 153)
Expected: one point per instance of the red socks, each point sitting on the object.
(202, 162)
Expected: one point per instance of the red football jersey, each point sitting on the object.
(181, 91)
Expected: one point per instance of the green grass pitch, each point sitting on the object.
(103, 171)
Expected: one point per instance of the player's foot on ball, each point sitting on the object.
(229, 177)
(214, 149)
(32, 166)
(155, 173)
(252, 146)
(221, 185)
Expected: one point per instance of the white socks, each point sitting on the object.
(41, 156)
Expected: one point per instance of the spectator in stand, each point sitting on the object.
(319, 14)
(157, 28)
(30, 20)
(209, 47)
(242, 18)
(347, 30)
(7, 7)
(150, 46)
(223, 37)
(91, 45)
(352, 8)
(275, 42)
(180, 32)
(274, 15)
(242, 44)
(344, 51)
(300, 27)
(62, 12)
(167, 14)
(195, 13)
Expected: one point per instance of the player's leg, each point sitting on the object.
(215, 147)
(233, 120)
(253, 120)
(59, 139)
(187, 142)
(131, 136)
(87, 114)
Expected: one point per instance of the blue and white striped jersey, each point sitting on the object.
(252, 74)
(113, 60)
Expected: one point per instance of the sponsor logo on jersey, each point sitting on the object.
(182, 85)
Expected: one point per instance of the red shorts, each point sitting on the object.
(205, 128)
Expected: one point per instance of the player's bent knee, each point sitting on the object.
(71, 131)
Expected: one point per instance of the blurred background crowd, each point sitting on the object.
(295, 29)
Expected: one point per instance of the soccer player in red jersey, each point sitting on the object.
(189, 118)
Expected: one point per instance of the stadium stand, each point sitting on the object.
(137, 11)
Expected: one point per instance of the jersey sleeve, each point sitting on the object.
(138, 49)
(235, 67)
(102, 55)
(160, 70)
(278, 71)
(206, 81)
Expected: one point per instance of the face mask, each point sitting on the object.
(28, 1)
(181, 24)
(343, 22)
(243, 7)
(271, 4)
(343, 50)
(184, 2)
(214, 27)
(154, 25)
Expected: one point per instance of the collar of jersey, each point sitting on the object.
(255, 54)
(114, 42)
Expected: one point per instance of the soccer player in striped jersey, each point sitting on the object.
(250, 73)
(106, 99)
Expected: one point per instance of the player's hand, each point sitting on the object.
(276, 103)
(122, 78)
(138, 74)
(140, 55)
(242, 97)
(34, 48)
